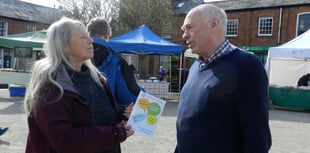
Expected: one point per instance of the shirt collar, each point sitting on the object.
(225, 49)
(100, 41)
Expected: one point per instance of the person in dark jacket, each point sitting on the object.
(120, 76)
(223, 106)
(69, 107)
(303, 80)
(162, 73)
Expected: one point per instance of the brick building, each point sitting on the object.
(254, 25)
(20, 17)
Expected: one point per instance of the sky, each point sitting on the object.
(49, 3)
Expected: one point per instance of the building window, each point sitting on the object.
(31, 28)
(303, 23)
(265, 26)
(232, 28)
(3, 28)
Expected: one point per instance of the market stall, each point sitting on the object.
(285, 64)
(21, 47)
(143, 41)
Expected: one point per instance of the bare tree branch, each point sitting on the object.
(84, 10)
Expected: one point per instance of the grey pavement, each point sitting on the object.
(290, 130)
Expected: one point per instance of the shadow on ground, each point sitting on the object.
(171, 109)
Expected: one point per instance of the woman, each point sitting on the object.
(69, 107)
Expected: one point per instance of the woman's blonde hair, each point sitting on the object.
(58, 38)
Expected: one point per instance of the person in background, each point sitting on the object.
(223, 105)
(162, 73)
(69, 106)
(3, 130)
(303, 80)
(119, 75)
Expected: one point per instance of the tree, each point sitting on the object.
(124, 15)
(84, 10)
(156, 14)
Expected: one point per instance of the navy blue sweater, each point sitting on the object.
(224, 107)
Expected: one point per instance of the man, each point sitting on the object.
(119, 75)
(223, 106)
(162, 73)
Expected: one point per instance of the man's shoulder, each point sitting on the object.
(118, 56)
(242, 55)
(242, 60)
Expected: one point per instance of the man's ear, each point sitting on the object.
(215, 23)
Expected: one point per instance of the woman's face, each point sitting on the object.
(80, 47)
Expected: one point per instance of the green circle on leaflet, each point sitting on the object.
(154, 109)
(151, 119)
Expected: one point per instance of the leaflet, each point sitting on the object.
(146, 113)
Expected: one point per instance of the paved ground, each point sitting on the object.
(290, 130)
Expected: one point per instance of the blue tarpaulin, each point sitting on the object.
(144, 41)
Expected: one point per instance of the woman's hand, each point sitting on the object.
(128, 128)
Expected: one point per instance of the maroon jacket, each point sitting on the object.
(63, 126)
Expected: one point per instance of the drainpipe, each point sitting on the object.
(2, 58)
(280, 26)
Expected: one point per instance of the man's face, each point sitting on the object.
(196, 33)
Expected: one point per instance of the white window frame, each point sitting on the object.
(31, 28)
(265, 26)
(306, 23)
(3, 28)
(232, 29)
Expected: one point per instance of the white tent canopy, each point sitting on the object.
(286, 63)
